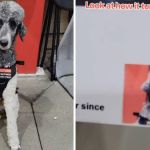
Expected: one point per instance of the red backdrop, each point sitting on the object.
(28, 49)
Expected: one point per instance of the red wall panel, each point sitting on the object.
(28, 49)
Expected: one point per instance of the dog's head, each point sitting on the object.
(11, 23)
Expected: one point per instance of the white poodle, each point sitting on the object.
(11, 24)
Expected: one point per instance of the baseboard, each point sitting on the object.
(40, 72)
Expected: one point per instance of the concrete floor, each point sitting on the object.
(48, 123)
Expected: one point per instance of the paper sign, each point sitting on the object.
(112, 66)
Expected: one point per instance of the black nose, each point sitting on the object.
(4, 43)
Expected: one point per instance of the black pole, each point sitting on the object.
(52, 67)
(46, 29)
(43, 33)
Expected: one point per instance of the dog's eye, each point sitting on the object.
(1, 23)
(12, 24)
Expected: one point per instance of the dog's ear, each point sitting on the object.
(22, 30)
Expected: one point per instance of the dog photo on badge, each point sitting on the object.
(137, 94)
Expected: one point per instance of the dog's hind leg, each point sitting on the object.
(11, 105)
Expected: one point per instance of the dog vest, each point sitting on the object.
(7, 68)
(5, 75)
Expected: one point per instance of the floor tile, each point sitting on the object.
(27, 133)
(32, 87)
(54, 114)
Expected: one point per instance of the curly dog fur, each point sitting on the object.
(11, 24)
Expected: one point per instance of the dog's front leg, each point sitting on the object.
(11, 105)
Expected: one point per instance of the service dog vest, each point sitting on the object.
(7, 68)
(5, 75)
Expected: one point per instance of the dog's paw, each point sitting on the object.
(16, 148)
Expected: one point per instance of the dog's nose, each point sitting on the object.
(4, 43)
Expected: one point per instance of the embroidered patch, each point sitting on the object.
(5, 73)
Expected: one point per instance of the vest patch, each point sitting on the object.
(5, 73)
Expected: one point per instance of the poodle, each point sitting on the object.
(11, 25)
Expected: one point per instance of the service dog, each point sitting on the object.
(11, 25)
